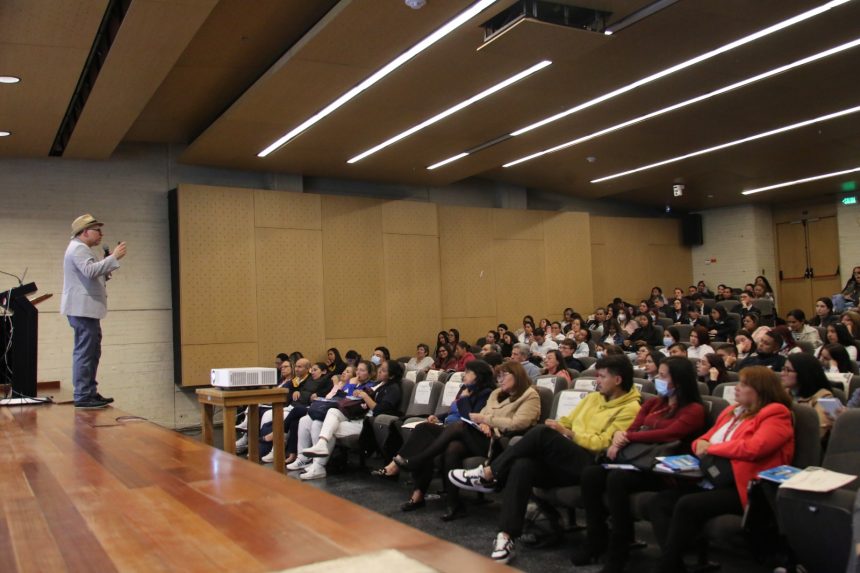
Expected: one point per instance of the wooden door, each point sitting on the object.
(795, 288)
(823, 243)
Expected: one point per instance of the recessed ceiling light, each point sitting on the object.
(728, 144)
(697, 99)
(440, 33)
(453, 109)
(799, 181)
(9, 80)
(670, 70)
(5, 133)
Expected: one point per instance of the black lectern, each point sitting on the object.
(20, 327)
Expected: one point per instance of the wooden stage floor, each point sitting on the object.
(92, 491)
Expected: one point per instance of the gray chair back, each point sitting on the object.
(659, 329)
(588, 361)
(765, 307)
(647, 386)
(714, 406)
(639, 373)
(806, 346)
(574, 374)
(664, 322)
(807, 437)
(853, 385)
(735, 318)
(546, 399)
(645, 396)
(720, 390)
(554, 384)
(703, 389)
(404, 359)
(684, 331)
(407, 387)
(424, 399)
(838, 393)
(446, 397)
(718, 345)
(733, 376)
(843, 449)
(710, 302)
(729, 305)
(563, 400)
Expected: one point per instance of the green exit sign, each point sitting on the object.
(849, 186)
(849, 200)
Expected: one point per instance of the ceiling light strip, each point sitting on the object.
(799, 181)
(440, 33)
(453, 109)
(691, 101)
(726, 145)
(447, 161)
(681, 66)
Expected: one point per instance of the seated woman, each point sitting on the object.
(613, 333)
(678, 414)
(850, 295)
(835, 358)
(441, 340)
(286, 381)
(478, 383)
(721, 328)
(445, 359)
(422, 361)
(335, 364)
(554, 364)
(800, 331)
(678, 312)
(513, 407)
(335, 424)
(766, 354)
(789, 346)
(711, 369)
(851, 320)
(652, 364)
(729, 354)
(751, 322)
(528, 334)
(641, 354)
(508, 341)
(824, 313)
(745, 346)
(766, 291)
(555, 454)
(626, 324)
(657, 293)
(755, 435)
(453, 337)
(805, 381)
(838, 334)
(645, 334)
(700, 342)
(671, 336)
(317, 384)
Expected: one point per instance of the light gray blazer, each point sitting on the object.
(84, 292)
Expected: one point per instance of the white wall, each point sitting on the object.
(742, 242)
(848, 219)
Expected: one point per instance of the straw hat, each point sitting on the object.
(83, 223)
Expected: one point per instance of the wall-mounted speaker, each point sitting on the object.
(691, 230)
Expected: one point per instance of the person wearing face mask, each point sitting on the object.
(749, 438)
(380, 355)
(625, 323)
(767, 353)
(678, 414)
(671, 336)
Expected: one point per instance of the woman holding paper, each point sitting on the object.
(755, 435)
(429, 439)
(805, 380)
(678, 414)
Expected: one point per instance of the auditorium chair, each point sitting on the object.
(806, 346)
(684, 332)
(384, 424)
(730, 306)
(588, 361)
(765, 307)
(665, 322)
(553, 383)
(720, 389)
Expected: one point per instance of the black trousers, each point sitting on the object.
(452, 444)
(607, 493)
(542, 458)
(678, 516)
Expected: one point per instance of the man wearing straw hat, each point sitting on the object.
(84, 303)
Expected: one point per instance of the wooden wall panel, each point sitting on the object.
(632, 255)
(465, 249)
(413, 292)
(287, 210)
(363, 346)
(410, 218)
(354, 289)
(518, 224)
(567, 256)
(199, 359)
(218, 301)
(471, 327)
(520, 279)
(289, 291)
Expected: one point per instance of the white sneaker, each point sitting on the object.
(300, 464)
(316, 471)
(472, 480)
(242, 444)
(268, 458)
(318, 450)
(503, 549)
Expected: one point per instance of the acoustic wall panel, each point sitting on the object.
(567, 254)
(218, 301)
(353, 272)
(412, 290)
(363, 346)
(471, 328)
(410, 218)
(287, 210)
(465, 249)
(199, 359)
(518, 224)
(520, 279)
(289, 291)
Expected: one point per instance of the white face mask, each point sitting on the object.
(376, 360)
(622, 317)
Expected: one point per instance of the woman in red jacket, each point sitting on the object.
(753, 436)
(678, 414)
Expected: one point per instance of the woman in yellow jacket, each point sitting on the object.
(555, 454)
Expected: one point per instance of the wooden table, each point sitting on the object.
(231, 400)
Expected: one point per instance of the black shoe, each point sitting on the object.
(382, 473)
(585, 554)
(103, 399)
(412, 505)
(90, 404)
(456, 512)
(401, 462)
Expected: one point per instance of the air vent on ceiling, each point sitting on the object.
(548, 12)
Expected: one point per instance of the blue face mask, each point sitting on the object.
(376, 360)
(599, 354)
(662, 387)
(667, 342)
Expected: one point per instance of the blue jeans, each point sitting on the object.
(85, 358)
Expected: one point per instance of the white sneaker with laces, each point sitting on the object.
(472, 480)
(242, 444)
(316, 471)
(300, 464)
(503, 548)
(318, 450)
(268, 458)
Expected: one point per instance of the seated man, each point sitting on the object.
(678, 349)
(520, 354)
(555, 454)
(542, 344)
(555, 329)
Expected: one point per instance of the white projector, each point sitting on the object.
(244, 377)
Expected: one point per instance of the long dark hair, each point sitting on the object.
(684, 378)
(843, 337)
(395, 372)
(339, 364)
(810, 374)
(559, 360)
(766, 284)
(716, 361)
(843, 360)
(444, 335)
(786, 335)
(485, 378)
